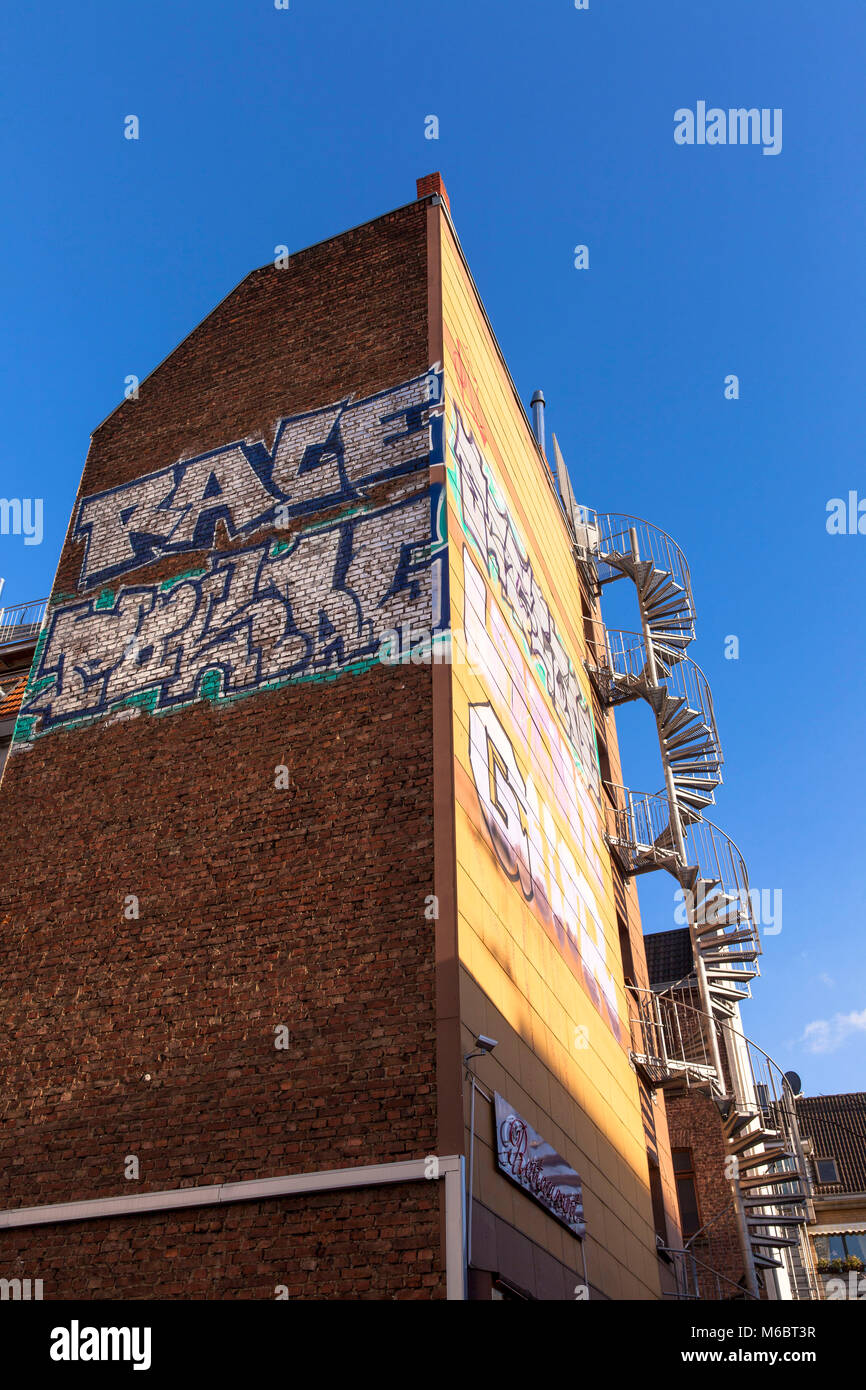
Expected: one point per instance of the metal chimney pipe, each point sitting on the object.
(538, 418)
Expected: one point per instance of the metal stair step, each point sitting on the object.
(768, 1156)
(770, 1220)
(720, 992)
(702, 755)
(748, 1140)
(660, 614)
(713, 952)
(770, 1179)
(724, 941)
(777, 1199)
(703, 752)
(678, 719)
(737, 1120)
(682, 734)
(654, 580)
(704, 929)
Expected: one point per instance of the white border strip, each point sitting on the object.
(258, 1189)
(294, 1185)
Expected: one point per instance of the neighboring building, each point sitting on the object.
(322, 965)
(19, 628)
(834, 1133)
(722, 1222)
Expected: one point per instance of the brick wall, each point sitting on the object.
(694, 1123)
(177, 886)
(378, 1243)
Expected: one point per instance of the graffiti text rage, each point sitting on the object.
(321, 460)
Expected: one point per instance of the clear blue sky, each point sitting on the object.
(261, 127)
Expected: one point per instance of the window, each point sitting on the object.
(658, 1201)
(625, 950)
(687, 1192)
(840, 1246)
(504, 1289)
(826, 1170)
(605, 768)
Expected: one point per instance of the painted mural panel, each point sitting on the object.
(535, 896)
(310, 606)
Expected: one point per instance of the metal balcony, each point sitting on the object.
(672, 1047)
(20, 624)
(670, 1042)
(618, 665)
(716, 894)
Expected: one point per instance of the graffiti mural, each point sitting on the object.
(529, 737)
(307, 607)
(488, 522)
(273, 613)
(320, 460)
(545, 865)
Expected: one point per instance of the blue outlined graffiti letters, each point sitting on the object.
(319, 460)
(275, 612)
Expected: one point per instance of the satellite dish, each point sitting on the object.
(794, 1082)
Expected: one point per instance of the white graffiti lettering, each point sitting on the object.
(275, 612)
(323, 459)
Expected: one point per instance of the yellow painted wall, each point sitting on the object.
(538, 938)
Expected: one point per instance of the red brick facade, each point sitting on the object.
(258, 906)
(379, 1243)
(229, 947)
(694, 1123)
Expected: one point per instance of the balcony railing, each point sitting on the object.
(671, 1047)
(671, 1041)
(639, 832)
(610, 533)
(21, 622)
(638, 829)
(696, 1280)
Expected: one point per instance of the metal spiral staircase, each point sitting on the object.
(653, 666)
(674, 1044)
(670, 1048)
(681, 701)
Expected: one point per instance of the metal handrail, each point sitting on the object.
(671, 1040)
(624, 653)
(759, 1085)
(22, 620)
(641, 819)
(768, 1074)
(757, 1081)
(688, 1257)
(655, 544)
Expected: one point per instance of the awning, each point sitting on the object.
(840, 1228)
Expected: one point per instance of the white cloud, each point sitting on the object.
(826, 1035)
